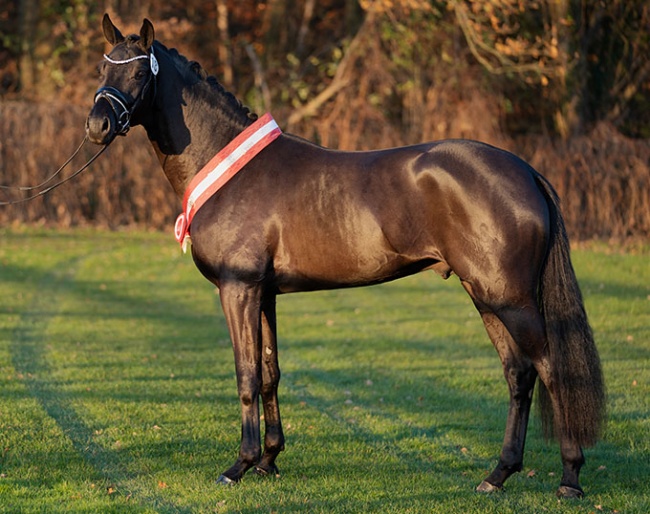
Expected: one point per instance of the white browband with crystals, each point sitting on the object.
(125, 61)
(153, 62)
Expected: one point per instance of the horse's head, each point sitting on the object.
(127, 83)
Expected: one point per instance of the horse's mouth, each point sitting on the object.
(99, 129)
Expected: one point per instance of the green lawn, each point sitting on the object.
(118, 390)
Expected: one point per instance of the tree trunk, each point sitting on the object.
(304, 25)
(223, 44)
(28, 14)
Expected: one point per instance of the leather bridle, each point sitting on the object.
(122, 108)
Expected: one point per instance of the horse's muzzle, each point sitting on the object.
(101, 124)
(110, 116)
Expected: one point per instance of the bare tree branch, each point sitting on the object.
(339, 81)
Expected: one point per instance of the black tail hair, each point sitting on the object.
(576, 374)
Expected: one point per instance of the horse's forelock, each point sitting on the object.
(127, 48)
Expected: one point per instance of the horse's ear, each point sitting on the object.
(111, 33)
(147, 34)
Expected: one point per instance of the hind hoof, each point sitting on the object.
(487, 487)
(565, 491)
(265, 472)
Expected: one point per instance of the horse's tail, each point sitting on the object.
(576, 376)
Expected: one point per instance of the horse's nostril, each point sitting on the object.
(106, 125)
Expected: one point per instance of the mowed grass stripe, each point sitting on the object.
(34, 342)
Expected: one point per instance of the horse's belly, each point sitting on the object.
(353, 254)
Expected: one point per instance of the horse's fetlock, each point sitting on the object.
(249, 457)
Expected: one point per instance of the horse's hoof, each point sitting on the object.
(225, 481)
(487, 487)
(565, 491)
(265, 472)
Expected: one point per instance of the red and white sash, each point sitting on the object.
(221, 168)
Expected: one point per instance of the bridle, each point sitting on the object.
(118, 100)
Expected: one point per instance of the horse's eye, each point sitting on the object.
(139, 75)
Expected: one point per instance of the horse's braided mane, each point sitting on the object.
(193, 71)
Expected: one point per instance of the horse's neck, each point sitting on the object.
(189, 126)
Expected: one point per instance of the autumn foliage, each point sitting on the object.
(566, 85)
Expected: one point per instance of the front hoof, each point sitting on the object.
(565, 491)
(265, 472)
(487, 487)
(225, 481)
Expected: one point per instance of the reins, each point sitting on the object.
(51, 177)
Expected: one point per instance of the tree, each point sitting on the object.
(586, 59)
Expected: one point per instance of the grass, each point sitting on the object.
(118, 390)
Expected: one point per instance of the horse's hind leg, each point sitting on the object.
(274, 436)
(520, 375)
(526, 326)
(572, 456)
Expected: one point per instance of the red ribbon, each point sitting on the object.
(221, 168)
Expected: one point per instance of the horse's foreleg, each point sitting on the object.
(520, 376)
(273, 437)
(242, 308)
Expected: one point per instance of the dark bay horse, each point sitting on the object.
(300, 217)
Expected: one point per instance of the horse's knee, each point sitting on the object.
(249, 392)
(270, 369)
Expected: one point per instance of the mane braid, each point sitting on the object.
(193, 72)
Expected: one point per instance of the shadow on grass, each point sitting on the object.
(29, 359)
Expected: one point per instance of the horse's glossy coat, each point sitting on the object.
(301, 217)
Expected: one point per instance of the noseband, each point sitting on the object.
(118, 101)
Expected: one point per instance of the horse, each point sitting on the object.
(300, 217)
